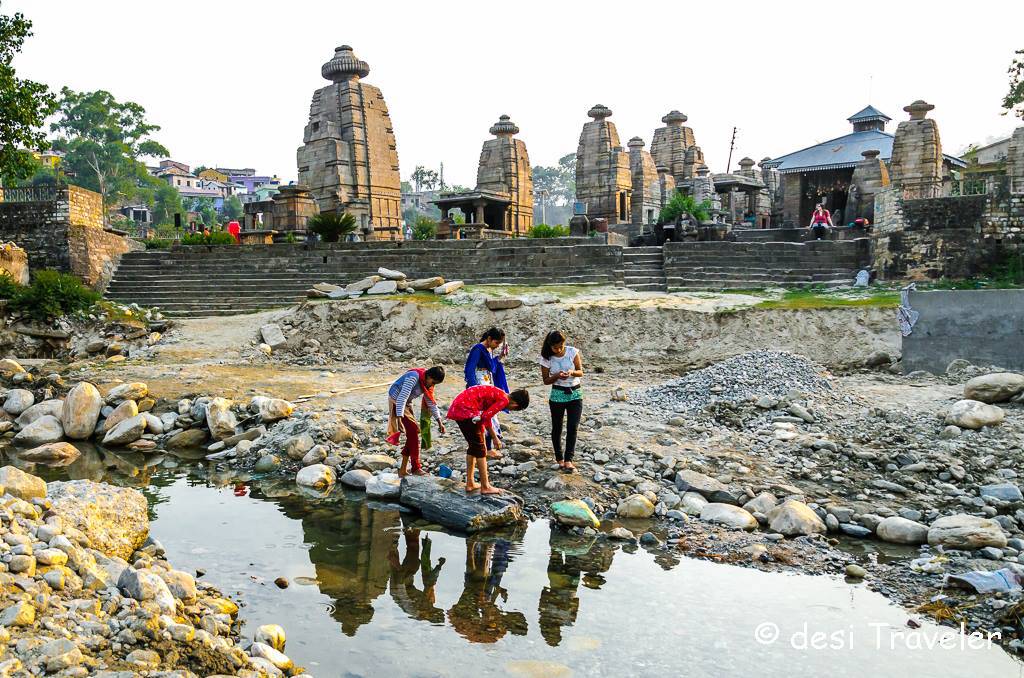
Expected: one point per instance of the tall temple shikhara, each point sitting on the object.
(348, 157)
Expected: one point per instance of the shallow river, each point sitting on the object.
(369, 597)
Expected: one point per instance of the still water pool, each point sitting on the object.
(372, 595)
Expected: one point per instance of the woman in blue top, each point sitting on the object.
(485, 366)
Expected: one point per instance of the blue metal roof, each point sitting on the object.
(844, 151)
(869, 113)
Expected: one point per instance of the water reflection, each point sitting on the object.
(393, 595)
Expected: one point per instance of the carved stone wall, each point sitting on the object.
(670, 144)
(603, 179)
(646, 199)
(349, 158)
(916, 163)
(505, 169)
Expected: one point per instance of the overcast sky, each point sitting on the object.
(230, 81)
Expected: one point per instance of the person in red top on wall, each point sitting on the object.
(473, 410)
(820, 219)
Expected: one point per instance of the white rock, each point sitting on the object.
(45, 429)
(994, 388)
(384, 486)
(18, 400)
(899, 530)
(794, 518)
(974, 414)
(127, 431)
(133, 391)
(317, 476)
(384, 287)
(272, 335)
(449, 287)
(964, 531)
(389, 274)
(47, 407)
(729, 516)
(635, 506)
(271, 409)
(220, 419)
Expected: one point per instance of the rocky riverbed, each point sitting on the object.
(766, 460)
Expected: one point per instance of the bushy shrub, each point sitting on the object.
(331, 226)
(8, 287)
(215, 238)
(545, 231)
(681, 204)
(53, 294)
(156, 243)
(425, 228)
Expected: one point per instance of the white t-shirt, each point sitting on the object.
(566, 363)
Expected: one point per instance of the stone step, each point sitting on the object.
(648, 287)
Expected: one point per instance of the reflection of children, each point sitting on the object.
(415, 603)
(473, 410)
(475, 615)
(485, 366)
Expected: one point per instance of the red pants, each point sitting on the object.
(411, 448)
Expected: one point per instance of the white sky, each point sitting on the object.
(230, 81)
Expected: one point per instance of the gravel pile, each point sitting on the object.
(740, 378)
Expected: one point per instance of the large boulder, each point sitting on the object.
(47, 407)
(81, 411)
(189, 439)
(795, 518)
(691, 503)
(127, 431)
(18, 400)
(899, 530)
(364, 284)
(386, 486)
(444, 501)
(22, 485)
(423, 284)
(45, 429)
(220, 419)
(711, 489)
(974, 414)
(994, 388)
(356, 478)
(126, 409)
(373, 462)
(574, 513)
(273, 336)
(1001, 492)
(729, 516)
(635, 506)
(317, 476)
(384, 287)
(962, 531)
(271, 409)
(113, 518)
(133, 391)
(50, 452)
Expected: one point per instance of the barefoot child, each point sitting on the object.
(473, 410)
(409, 386)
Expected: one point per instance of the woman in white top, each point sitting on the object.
(561, 367)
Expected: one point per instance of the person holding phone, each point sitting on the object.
(561, 367)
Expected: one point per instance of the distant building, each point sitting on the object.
(988, 155)
(49, 158)
(214, 175)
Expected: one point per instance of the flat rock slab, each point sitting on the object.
(272, 335)
(384, 287)
(444, 501)
(503, 304)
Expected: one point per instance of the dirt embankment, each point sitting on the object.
(609, 334)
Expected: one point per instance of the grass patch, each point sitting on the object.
(818, 297)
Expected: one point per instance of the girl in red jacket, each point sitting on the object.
(473, 410)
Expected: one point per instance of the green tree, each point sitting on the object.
(1014, 99)
(681, 204)
(204, 210)
(425, 228)
(166, 202)
(24, 105)
(425, 178)
(233, 208)
(558, 182)
(104, 140)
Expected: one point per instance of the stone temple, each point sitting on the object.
(348, 157)
(502, 202)
(603, 178)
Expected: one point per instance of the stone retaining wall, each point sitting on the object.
(61, 227)
(983, 326)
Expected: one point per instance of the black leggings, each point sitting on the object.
(574, 408)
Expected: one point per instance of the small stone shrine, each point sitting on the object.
(603, 178)
(916, 164)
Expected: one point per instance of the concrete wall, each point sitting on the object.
(983, 326)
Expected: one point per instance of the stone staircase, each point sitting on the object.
(718, 266)
(644, 269)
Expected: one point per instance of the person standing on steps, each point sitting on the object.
(413, 384)
(485, 367)
(473, 410)
(561, 367)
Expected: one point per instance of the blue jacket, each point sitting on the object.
(480, 358)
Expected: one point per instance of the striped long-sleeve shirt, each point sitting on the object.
(407, 387)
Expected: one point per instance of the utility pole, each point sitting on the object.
(543, 206)
(442, 178)
(732, 145)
